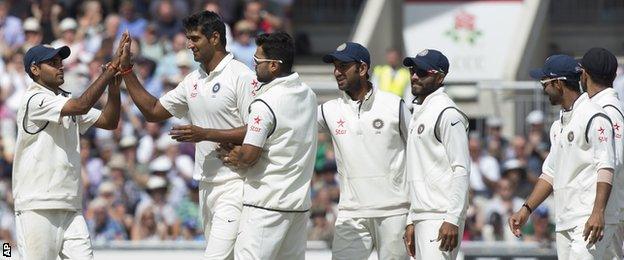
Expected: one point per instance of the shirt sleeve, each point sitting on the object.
(453, 127)
(44, 107)
(618, 132)
(600, 137)
(260, 124)
(320, 120)
(87, 120)
(404, 118)
(548, 167)
(243, 94)
(175, 101)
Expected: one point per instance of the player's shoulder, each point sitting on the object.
(237, 68)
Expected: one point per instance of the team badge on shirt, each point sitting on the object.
(257, 121)
(378, 123)
(616, 129)
(570, 136)
(602, 137)
(421, 128)
(339, 131)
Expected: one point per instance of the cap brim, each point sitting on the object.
(537, 73)
(418, 63)
(330, 58)
(62, 51)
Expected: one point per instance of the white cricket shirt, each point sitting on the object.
(218, 100)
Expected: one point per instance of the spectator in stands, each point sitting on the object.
(152, 47)
(393, 77)
(11, 33)
(168, 19)
(500, 207)
(147, 227)
(145, 72)
(130, 20)
(514, 171)
(101, 226)
(215, 6)
(484, 169)
(537, 146)
(496, 143)
(90, 26)
(540, 230)
(32, 34)
(264, 21)
(320, 229)
(188, 213)
(14, 81)
(156, 203)
(244, 45)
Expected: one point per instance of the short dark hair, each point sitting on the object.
(208, 22)
(572, 85)
(602, 81)
(278, 46)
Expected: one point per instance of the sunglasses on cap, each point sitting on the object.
(421, 73)
(546, 81)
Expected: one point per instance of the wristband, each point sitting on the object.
(527, 207)
(126, 71)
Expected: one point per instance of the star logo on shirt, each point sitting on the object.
(616, 127)
(601, 130)
(195, 87)
(254, 83)
(257, 120)
(340, 123)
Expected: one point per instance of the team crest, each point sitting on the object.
(421, 128)
(378, 123)
(216, 88)
(570, 136)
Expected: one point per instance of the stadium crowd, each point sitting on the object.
(138, 181)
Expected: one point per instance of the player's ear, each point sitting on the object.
(439, 78)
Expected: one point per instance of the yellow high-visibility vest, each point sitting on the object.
(392, 83)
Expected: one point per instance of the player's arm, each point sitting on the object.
(110, 114)
(543, 188)
(602, 140)
(150, 107)
(452, 129)
(82, 104)
(193, 133)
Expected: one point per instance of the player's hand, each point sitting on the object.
(517, 220)
(229, 154)
(125, 39)
(448, 235)
(188, 133)
(594, 228)
(408, 239)
(126, 55)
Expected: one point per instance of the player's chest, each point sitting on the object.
(214, 95)
(347, 123)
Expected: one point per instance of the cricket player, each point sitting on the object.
(278, 154)
(47, 183)
(579, 168)
(369, 130)
(437, 162)
(599, 70)
(215, 96)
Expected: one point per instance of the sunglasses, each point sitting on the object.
(546, 81)
(258, 60)
(421, 73)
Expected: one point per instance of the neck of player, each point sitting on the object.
(569, 97)
(359, 92)
(211, 64)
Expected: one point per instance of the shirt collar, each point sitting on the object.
(286, 81)
(224, 62)
(61, 91)
(604, 93)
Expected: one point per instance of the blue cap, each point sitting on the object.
(558, 66)
(43, 52)
(348, 52)
(429, 59)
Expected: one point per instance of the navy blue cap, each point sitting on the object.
(43, 52)
(558, 66)
(428, 59)
(349, 52)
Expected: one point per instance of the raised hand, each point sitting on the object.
(126, 55)
(125, 40)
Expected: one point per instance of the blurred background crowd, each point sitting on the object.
(138, 181)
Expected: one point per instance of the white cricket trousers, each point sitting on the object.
(51, 233)
(221, 205)
(355, 238)
(615, 251)
(572, 246)
(271, 235)
(426, 240)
